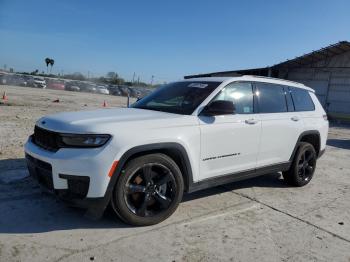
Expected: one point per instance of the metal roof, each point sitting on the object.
(316, 56)
(306, 59)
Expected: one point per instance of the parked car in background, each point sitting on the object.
(133, 92)
(13, 79)
(114, 90)
(38, 82)
(125, 90)
(88, 87)
(17, 80)
(56, 84)
(2, 79)
(72, 86)
(27, 79)
(102, 90)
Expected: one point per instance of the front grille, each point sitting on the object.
(41, 171)
(46, 139)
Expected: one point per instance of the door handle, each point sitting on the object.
(295, 118)
(251, 121)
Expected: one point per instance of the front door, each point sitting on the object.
(230, 143)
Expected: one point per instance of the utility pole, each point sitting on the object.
(138, 80)
(133, 78)
(152, 80)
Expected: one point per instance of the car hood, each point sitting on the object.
(102, 120)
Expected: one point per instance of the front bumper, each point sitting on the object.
(41, 171)
(72, 168)
(77, 176)
(76, 192)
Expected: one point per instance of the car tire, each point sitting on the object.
(148, 191)
(303, 166)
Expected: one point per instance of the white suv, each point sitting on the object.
(39, 82)
(186, 136)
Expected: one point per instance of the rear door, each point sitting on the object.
(280, 124)
(230, 143)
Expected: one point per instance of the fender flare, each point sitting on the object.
(187, 176)
(308, 132)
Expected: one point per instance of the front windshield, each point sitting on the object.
(178, 97)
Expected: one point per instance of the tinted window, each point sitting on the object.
(178, 97)
(241, 94)
(302, 100)
(271, 98)
(289, 100)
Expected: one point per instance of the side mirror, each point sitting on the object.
(219, 107)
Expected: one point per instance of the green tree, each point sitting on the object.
(52, 62)
(48, 62)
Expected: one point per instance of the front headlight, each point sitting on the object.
(74, 140)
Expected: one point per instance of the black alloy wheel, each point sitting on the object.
(306, 164)
(148, 190)
(303, 166)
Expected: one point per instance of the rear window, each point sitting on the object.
(271, 98)
(302, 100)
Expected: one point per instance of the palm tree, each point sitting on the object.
(47, 61)
(51, 63)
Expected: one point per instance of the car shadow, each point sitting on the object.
(272, 180)
(25, 209)
(339, 143)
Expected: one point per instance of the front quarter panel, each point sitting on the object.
(183, 131)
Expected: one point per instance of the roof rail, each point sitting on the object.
(274, 78)
(217, 74)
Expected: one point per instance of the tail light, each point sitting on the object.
(325, 117)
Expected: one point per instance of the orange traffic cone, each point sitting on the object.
(104, 103)
(4, 96)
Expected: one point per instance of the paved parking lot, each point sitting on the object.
(260, 219)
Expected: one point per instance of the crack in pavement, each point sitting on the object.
(320, 206)
(290, 215)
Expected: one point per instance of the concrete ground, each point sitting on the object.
(260, 219)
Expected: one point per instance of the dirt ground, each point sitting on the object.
(260, 219)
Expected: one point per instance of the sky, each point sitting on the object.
(166, 39)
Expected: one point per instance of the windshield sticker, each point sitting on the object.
(198, 85)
